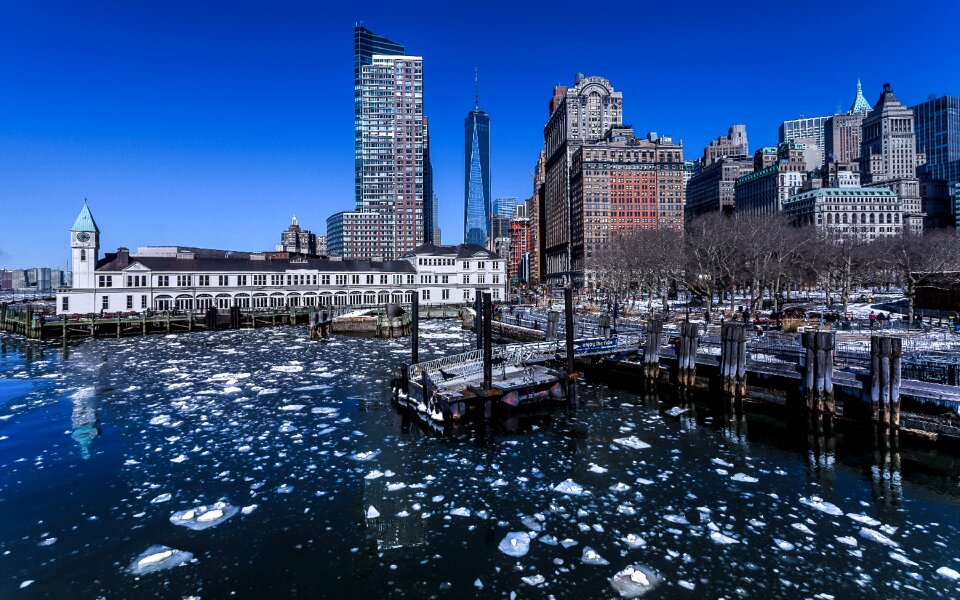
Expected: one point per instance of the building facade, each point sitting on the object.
(713, 188)
(888, 154)
(580, 114)
(177, 278)
(476, 177)
(393, 194)
(296, 240)
(765, 191)
(734, 144)
(519, 264)
(622, 185)
(809, 131)
(862, 213)
(938, 138)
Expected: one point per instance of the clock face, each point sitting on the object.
(83, 236)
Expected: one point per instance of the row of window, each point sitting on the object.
(258, 280)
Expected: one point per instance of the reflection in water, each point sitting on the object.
(85, 420)
(885, 473)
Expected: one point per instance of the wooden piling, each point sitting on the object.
(651, 352)
(733, 358)
(414, 329)
(818, 371)
(487, 342)
(687, 357)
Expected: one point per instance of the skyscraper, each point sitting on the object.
(393, 190)
(808, 131)
(938, 138)
(841, 132)
(579, 115)
(476, 175)
(888, 154)
(734, 144)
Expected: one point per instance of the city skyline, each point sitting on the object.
(160, 136)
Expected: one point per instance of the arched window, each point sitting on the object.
(871, 218)
(889, 218)
(829, 218)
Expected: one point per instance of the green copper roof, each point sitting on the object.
(860, 103)
(85, 220)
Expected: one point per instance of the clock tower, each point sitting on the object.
(85, 247)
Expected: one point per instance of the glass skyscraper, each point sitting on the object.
(476, 177)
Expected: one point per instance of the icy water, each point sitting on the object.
(260, 464)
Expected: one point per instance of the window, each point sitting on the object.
(324, 280)
(466, 264)
(481, 265)
(223, 280)
(183, 280)
(105, 303)
(383, 280)
(496, 279)
(105, 281)
(409, 279)
(445, 295)
(445, 279)
(259, 280)
(163, 280)
(129, 302)
(143, 301)
(203, 280)
(241, 279)
(425, 295)
(65, 303)
(369, 279)
(83, 255)
(355, 279)
(481, 279)
(466, 278)
(341, 280)
(276, 280)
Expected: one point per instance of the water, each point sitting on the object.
(101, 445)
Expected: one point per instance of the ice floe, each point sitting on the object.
(822, 506)
(876, 536)
(632, 442)
(570, 487)
(634, 581)
(205, 516)
(515, 543)
(158, 558)
(590, 557)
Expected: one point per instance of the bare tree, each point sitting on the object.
(921, 260)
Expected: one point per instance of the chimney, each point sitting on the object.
(886, 88)
(123, 257)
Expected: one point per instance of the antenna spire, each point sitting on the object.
(476, 89)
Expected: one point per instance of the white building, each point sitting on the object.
(177, 278)
(863, 213)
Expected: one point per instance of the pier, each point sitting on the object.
(883, 378)
(34, 322)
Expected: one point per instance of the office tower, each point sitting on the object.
(476, 175)
(938, 138)
(842, 133)
(888, 155)
(393, 199)
(809, 131)
(296, 240)
(778, 174)
(734, 144)
(581, 114)
(712, 189)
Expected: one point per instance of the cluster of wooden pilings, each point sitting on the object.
(321, 325)
(817, 370)
(687, 354)
(733, 359)
(885, 365)
(651, 351)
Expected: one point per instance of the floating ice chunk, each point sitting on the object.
(632, 442)
(784, 545)
(248, 509)
(548, 540)
(178, 459)
(293, 407)
(619, 487)
(284, 488)
(160, 420)
(531, 523)
(756, 523)
(822, 506)
(157, 558)
(686, 584)
(515, 543)
(861, 518)
(48, 541)
(625, 509)
(204, 517)
(570, 487)
(744, 478)
(460, 512)
(676, 411)
(372, 513)
(596, 469)
(634, 581)
(373, 474)
(287, 368)
(633, 541)
(846, 539)
(802, 527)
(369, 455)
(948, 573)
(590, 557)
(678, 519)
(568, 543)
(643, 481)
(876, 536)
(244, 448)
(720, 538)
(26, 583)
(721, 462)
(161, 498)
(231, 390)
(897, 556)
(533, 580)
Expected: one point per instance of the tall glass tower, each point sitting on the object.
(476, 176)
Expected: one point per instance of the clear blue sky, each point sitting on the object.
(209, 123)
